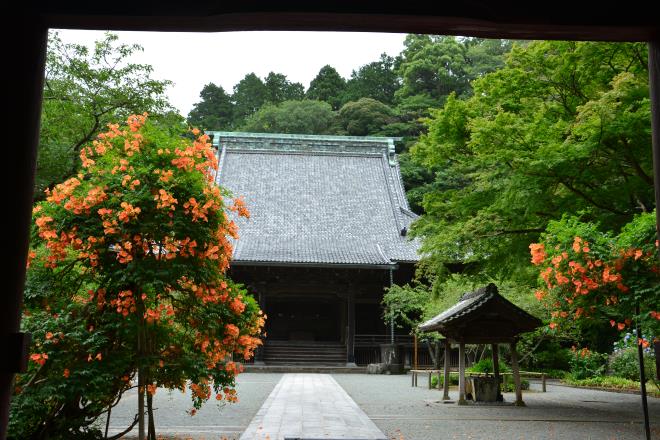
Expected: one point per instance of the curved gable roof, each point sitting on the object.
(317, 199)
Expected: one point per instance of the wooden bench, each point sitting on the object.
(505, 376)
(415, 373)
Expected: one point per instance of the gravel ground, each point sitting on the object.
(404, 412)
(213, 421)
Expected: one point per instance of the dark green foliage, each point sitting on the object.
(280, 89)
(485, 365)
(625, 363)
(585, 363)
(365, 116)
(294, 117)
(563, 127)
(328, 86)
(405, 305)
(215, 111)
(437, 383)
(84, 90)
(249, 95)
(511, 386)
(377, 80)
(551, 356)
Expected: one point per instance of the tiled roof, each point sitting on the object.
(476, 302)
(317, 199)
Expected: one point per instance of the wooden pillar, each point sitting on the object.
(445, 384)
(22, 98)
(496, 367)
(461, 373)
(654, 90)
(415, 356)
(516, 375)
(350, 331)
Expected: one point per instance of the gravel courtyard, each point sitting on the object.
(406, 413)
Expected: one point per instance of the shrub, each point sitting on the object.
(511, 387)
(624, 363)
(586, 363)
(552, 357)
(486, 366)
(453, 380)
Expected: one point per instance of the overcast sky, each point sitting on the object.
(194, 59)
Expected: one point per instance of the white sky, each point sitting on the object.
(192, 60)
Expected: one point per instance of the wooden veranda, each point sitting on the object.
(482, 317)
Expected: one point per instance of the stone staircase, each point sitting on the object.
(304, 353)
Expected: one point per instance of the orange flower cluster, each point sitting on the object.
(229, 396)
(165, 176)
(151, 389)
(78, 206)
(200, 212)
(538, 253)
(199, 156)
(125, 302)
(62, 191)
(236, 305)
(91, 358)
(583, 352)
(201, 391)
(154, 315)
(124, 252)
(165, 200)
(576, 282)
(39, 358)
(240, 208)
(129, 212)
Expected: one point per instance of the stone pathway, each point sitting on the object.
(310, 406)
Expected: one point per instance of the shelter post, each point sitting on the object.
(445, 383)
(350, 334)
(461, 373)
(516, 374)
(496, 367)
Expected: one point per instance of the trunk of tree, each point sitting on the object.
(141, 373)
(140, 404)
(152, 425)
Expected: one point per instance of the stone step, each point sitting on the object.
(305, 358)
(304, 352)
(307, 368)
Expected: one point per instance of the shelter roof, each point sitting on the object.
(317, 199)
(482, 316)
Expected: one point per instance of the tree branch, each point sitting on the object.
(126, 431)
(591, 200)
(512, 231)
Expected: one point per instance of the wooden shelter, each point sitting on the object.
(482, 317)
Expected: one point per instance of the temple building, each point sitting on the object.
(327, 233)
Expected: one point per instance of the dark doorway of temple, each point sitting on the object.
(303, 320)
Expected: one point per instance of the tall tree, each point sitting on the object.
(280, 89)
(215, 111)
(377, 80)
(249, 95)
(84, 90)
(295, 117)
(328, 86)
(564, 127)
(365, 116)
(137, 245)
